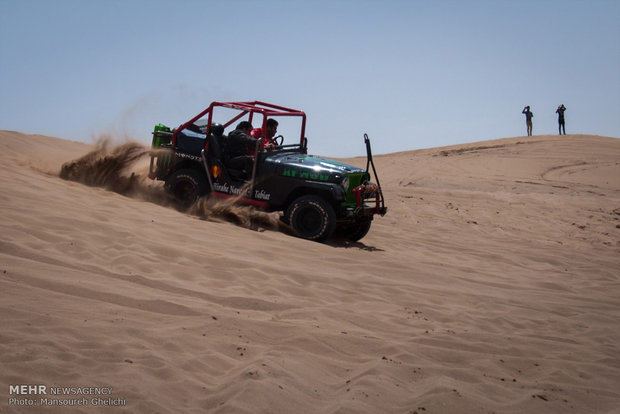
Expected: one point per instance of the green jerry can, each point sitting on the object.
(159, 139)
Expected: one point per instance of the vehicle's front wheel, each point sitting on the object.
(356, 231)
(311, 218)
(186, 186)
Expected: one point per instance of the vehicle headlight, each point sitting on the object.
(345, 183)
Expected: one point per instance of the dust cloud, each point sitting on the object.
(116, 168)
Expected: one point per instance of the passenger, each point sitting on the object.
(239, 145)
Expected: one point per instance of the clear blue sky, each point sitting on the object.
(412, 74)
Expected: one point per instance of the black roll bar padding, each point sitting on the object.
(369, 161)
(206, 165)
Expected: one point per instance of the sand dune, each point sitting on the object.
(492, 285)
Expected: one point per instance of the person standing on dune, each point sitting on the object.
(561, 124)
(528, 119)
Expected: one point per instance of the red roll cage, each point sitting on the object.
(255, 107)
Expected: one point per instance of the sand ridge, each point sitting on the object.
(490, 286)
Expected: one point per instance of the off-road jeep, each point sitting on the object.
(317, 196)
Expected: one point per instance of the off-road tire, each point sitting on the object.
(187, 186)
(311, 217)
(355, 231)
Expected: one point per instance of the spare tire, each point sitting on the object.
(311, 217)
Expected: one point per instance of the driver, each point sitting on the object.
(270, 131)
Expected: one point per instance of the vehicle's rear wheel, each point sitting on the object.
(355, 231)
(311, 217)
(186, 186)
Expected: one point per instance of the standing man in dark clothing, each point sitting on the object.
(239, 145)
(528, 119)
(560, 112)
